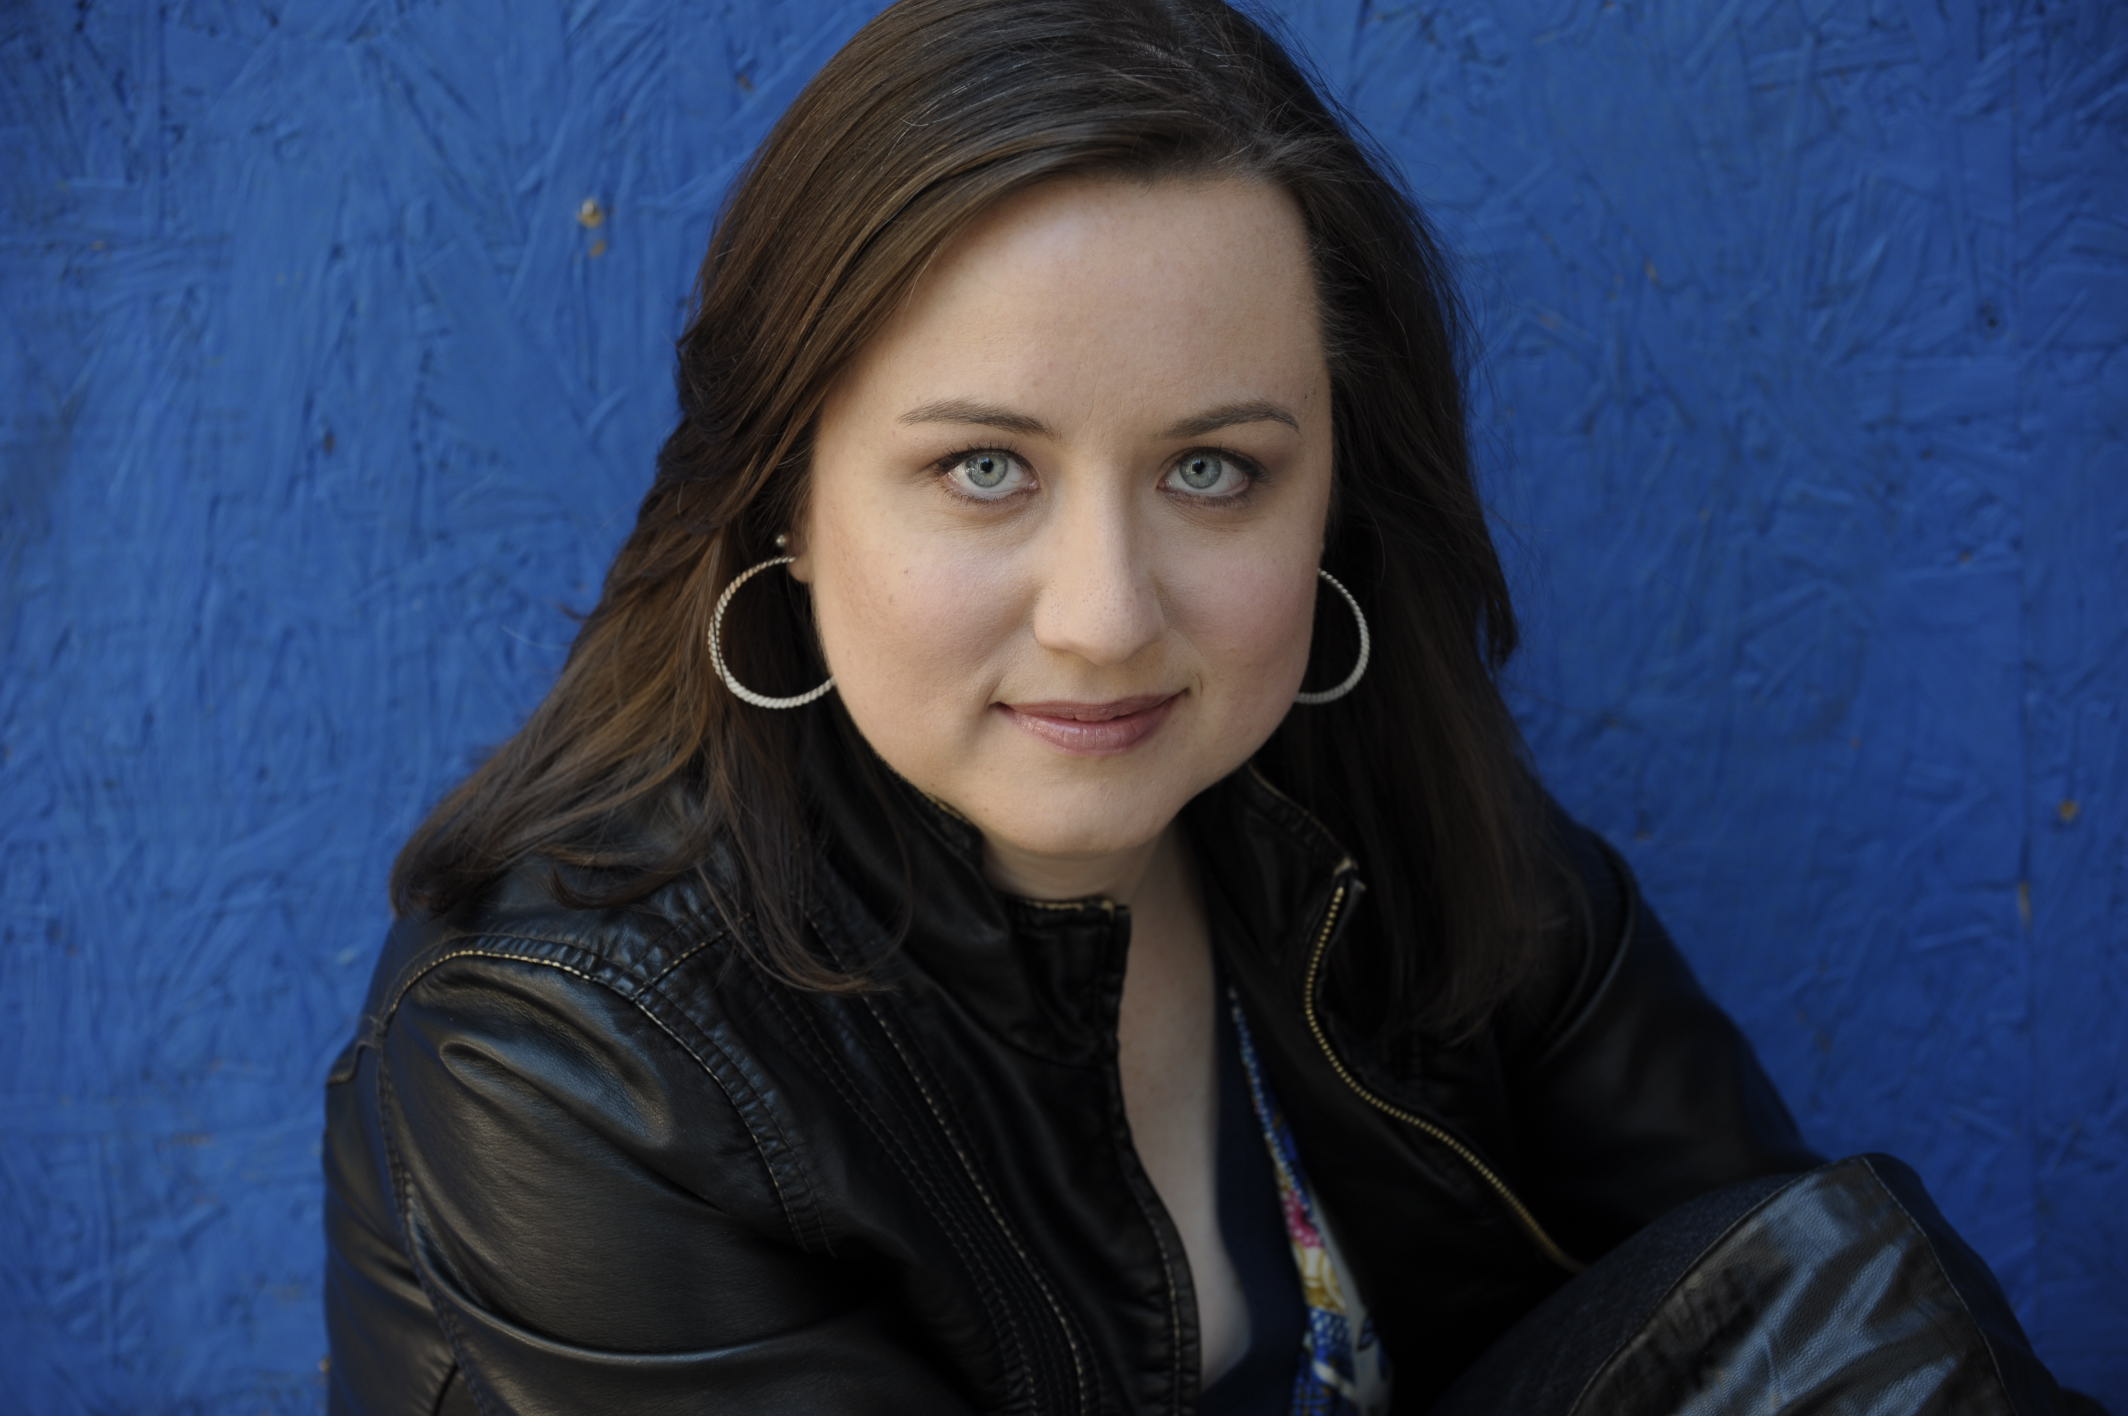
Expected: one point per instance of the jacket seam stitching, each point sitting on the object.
(964, 1241)
(967, 1166)
(657, 980)
(909, 1067)
(412, 971)
(671, 930)
(783, 1139)
(634, 1000)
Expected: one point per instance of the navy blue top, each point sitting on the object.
(1252, 1223)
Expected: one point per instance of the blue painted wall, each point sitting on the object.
(334, 350)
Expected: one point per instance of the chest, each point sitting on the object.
(1047, 1214)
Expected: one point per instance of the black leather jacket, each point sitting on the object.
(575, 1163)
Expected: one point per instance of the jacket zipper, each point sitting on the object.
(1485, 1172)
(1544, 1241)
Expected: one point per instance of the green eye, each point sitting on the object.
(985, 470)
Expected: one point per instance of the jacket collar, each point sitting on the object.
(1045, 976)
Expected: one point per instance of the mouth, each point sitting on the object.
(1092, 712)
(1094, 729)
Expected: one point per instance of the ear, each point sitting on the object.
(801, 569)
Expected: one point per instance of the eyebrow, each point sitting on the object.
(990, 415)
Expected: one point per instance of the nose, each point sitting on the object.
(1098, 597)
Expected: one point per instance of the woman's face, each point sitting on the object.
(1082, 476)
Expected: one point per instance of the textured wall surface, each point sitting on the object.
(323, 391)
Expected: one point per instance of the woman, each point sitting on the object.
(1025, 895)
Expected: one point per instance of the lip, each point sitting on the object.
(1094, 729)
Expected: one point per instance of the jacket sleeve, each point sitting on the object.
(591, 1218)
(1641, 1092)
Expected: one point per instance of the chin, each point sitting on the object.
(1090, 825)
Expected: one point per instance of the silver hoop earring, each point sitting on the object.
(1332, 694)
(716, 645)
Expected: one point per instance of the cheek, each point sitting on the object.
(1253, 628)
(902, 632)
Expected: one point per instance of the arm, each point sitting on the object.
(591, 1219)
(1641, 1092)
(1641, 1095)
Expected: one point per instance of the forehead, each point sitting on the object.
(1111, 292)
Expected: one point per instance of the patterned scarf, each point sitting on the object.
(1345, 1368)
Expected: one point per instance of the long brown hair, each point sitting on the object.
(932, 112)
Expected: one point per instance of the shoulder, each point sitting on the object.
(551, 1118)
(627, 950)
(1635, 1088)
(612, 1027)
(1606, 964)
